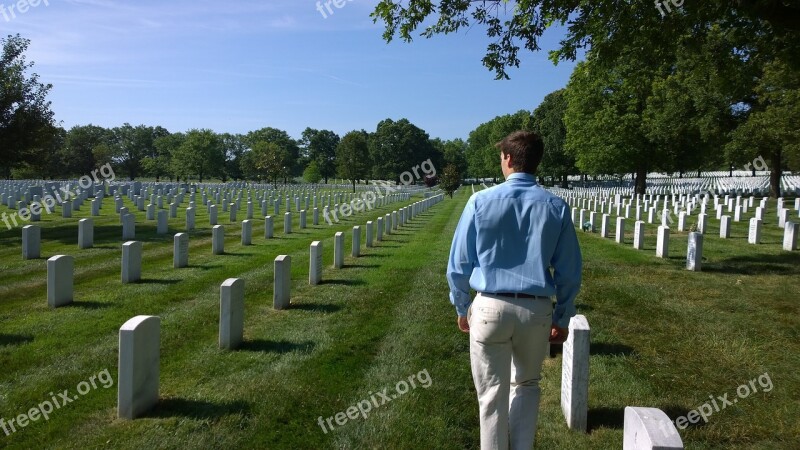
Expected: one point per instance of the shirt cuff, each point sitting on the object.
(461, 303)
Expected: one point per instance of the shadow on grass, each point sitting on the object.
(344, 282)
(88, 305)
(361, 265)
(325, 308)
(196, 409)
(609, 349)
(280, 347)
(8, 340)
(155, 281)
(614, 418)
(373, 255)
(784, 263)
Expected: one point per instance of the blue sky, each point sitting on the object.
(242, 65)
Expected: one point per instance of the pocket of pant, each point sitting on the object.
(485, 314)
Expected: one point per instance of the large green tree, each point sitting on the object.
(548, 122)
(285, 142)
(78, 152)
(133, 144)
(26, 121)
(398, 146)
(352, 156)
(606, 26)
(319, 146)
(200, 155)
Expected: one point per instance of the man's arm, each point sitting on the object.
(463, 257)
(567, 266)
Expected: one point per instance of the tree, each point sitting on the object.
(282, 140)
(78, 152)
(200, 154)
(320, 147)
(771, 130)
(454, 152)
(548, 122)
(606, 26)
(603, 119)
(268, 160)
(312, 173)
(160, 164)
(26, 121)
(234, 148)
(133, 144)
(397, 147)
(352, 156)
(450, 179)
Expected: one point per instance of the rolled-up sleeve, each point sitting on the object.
(463, 258)
(567, 265)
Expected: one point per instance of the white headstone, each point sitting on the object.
(232, 210)
(356, 242)
(338, 250)
(180, 258)
(268, 227)
(575, 374)
(247, 232)
(701, 223)
(131, 262)
(139, 366)
(662, 244)
(379, 228)
(682, 221)
(162, 226)
(151, 212)
(783, 217)
(217, 240)
(604, 222)
(59, 280)
(31, 242)
(754, 233)
(649, 429)
(190, 219)
(231, 313)
(638, 235)
(283, 282)
(302, 219)
(620, 230)
(212, 215)
(369, 234)
(694, 252)
(128, 226)
(725, 227)
(315, 263)
(790, 236)
(287, 222)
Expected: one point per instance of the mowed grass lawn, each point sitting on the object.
(661, 337)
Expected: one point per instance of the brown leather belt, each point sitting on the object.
(513, 294)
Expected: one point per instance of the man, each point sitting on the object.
(506, 242)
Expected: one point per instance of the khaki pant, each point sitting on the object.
(508, 343)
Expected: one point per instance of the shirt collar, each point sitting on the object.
(522, 176)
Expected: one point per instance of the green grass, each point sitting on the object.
(661, 337)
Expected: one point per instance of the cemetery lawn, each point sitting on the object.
(661, 337)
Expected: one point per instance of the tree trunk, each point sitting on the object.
(564, 181)
(775, 175)
(641, 181)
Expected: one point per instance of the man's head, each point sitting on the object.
(520, 151)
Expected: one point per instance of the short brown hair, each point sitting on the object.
(526, 149)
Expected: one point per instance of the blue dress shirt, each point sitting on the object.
(508, 239)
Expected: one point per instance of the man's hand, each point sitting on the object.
(558, 335)
(463, 324)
